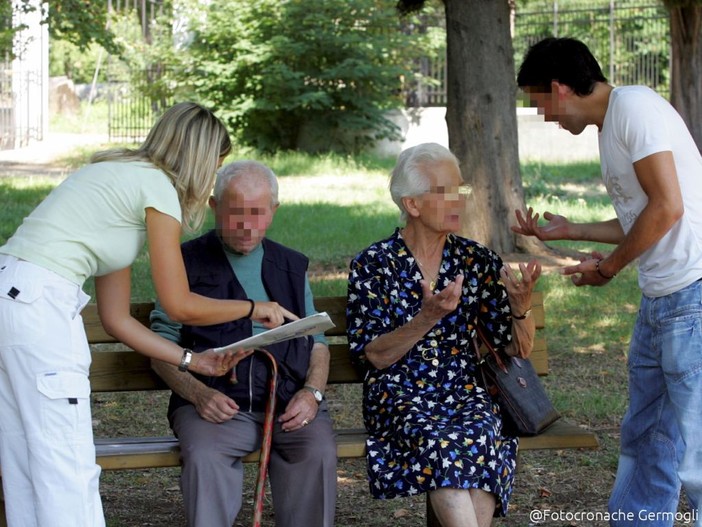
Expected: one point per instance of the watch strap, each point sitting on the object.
(185, 359)
(318, 395)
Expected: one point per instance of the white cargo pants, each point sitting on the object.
(49, 474)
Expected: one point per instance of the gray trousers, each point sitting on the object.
(302, 469)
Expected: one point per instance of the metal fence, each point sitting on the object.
(23, 80)
(630, 39)
(135, 100)
(20, 101)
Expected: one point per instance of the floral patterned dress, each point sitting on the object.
(430, 425)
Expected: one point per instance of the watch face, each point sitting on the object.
(317, 394)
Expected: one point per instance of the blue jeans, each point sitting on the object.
(661, 435)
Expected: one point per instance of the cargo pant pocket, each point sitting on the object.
(65, 405)
(22, 311)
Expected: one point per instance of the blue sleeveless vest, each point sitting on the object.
(283, 274)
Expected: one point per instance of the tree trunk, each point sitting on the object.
(482, 121)
(686, 68)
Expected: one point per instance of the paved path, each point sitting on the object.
(39, 157)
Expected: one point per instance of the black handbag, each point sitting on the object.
(513, 382)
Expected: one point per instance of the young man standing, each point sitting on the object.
(653, 173)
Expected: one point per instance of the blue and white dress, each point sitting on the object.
(430, 424)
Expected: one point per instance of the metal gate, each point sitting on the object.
(134, 102)
(136, 97)
(21, 120)
(24, 80)
(629, 38)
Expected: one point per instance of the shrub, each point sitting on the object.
(315, 75)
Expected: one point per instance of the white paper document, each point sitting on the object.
(298, 328)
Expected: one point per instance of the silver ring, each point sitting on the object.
(305, 422)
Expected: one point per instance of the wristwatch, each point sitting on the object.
(185, 360)
(318, 396)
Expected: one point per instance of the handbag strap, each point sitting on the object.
(481, 335)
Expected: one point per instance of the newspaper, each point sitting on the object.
(311, 325)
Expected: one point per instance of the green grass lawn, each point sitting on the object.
(333, 206)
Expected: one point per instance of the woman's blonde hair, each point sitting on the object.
(187, 143)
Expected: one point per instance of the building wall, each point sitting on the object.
(538, 140)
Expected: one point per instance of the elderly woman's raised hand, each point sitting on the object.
(519, 288)
(438, 305)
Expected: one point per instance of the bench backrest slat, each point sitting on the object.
(113, 371)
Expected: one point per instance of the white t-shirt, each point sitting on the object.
(94, 222)
(639, 123)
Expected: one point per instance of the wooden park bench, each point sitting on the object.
(120, 371)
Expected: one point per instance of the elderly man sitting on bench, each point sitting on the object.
(219, 421)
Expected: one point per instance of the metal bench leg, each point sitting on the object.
(266, 441)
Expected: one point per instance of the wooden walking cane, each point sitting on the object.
(267, 439)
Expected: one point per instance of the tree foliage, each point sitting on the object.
(315, 75)
(79, 22)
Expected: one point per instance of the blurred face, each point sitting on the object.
(441, 209)
(242, 215)
(557, 106)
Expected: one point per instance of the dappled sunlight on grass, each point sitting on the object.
(573, 190)
(90, 118)
(290, 163)
(351, 188)
(80, 156)
(586, 406)
(329, 284)
(536, 172)
(329, 233)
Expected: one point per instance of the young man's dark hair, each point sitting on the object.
(563, 60)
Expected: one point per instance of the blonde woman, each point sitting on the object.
(94, 224)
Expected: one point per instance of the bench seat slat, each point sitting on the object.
(119, 371)
(146, 452)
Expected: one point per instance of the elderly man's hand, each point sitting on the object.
(215, 407)
(301, 411)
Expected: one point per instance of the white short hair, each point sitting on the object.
(409, 177)
(250, 171)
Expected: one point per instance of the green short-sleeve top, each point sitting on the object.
(94, 222)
